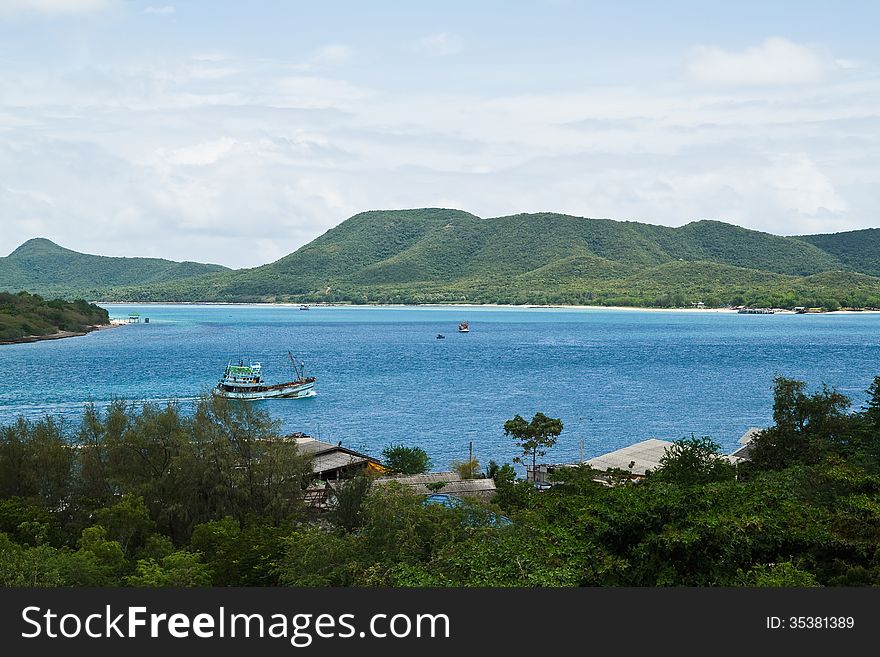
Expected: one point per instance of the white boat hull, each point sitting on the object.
(283, 391)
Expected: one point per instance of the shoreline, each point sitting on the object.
(59, 335)
(283, 304)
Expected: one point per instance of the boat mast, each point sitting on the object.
(295, 368)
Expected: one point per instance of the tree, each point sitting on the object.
(807, 426)
(535, 437)
(872, 410)
(350, 495)
(128, 522)
(695, 461)
(178, 569)
(400, 459)
(467, 469)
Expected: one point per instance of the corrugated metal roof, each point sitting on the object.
(749, 435)
(327, 457)
(425, 478)
(309, 445)
(333, 460)
(453, 484)
(644, 456)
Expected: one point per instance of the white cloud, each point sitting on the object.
(198, 154)
(332, 55)
(776, 61)
(54, 7)
(160, 11)
(317, 92)
(323, 57)
(800, 185)
(222, 158)
(441, 44)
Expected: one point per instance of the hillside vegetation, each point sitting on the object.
(152, 496)
(437, 255)
(23, 315)
(42, 267)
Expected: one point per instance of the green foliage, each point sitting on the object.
(778, 575)
(435, 255)
(467, 469)
(694, 461)
(127, 522)
(806, 426)
(178, 569)
(534, 438)
(26, 315)
(42, 267)
(202, 505)
(350, 495)
(105, 557)
(400, 459)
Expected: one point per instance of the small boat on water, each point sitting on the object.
(246, 382)
(463, 328)
(305, 306)
(440, 336)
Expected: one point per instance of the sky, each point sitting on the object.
(235, 132)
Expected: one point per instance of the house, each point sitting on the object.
(636, 459)
(330, 462)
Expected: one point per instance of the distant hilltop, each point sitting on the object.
(42, 267)
(437, 255)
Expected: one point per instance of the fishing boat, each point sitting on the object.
(440, 336)
(463, 327)
(246, 382)
(305, 306)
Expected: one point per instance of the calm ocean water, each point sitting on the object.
(613, 376)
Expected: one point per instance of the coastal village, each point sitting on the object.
(332, 463)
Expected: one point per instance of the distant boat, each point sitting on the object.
(464, 328)
(304, 307)
(440, 336)
(245, 382)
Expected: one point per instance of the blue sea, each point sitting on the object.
(613, 376)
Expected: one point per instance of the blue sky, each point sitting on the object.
(235, 132)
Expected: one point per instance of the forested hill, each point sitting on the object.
(441, 255)
(42, 267)
(24, 316)
(437, 255)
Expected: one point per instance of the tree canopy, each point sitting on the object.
(533, 437)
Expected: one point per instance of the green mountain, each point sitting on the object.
(858, 250)
(440, 255)
(437, 255)
(42, 267)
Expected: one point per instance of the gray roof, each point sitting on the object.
(421, 479)
(327, 457)
(335, 460)
(744, 453)
(749, 435)
(454, 484)
(646, 455)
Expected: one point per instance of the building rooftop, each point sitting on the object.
(452, 482)
(637, 458)
(330, 458)
(750, 433)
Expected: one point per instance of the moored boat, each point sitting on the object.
(463, 327)
(246, 382)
